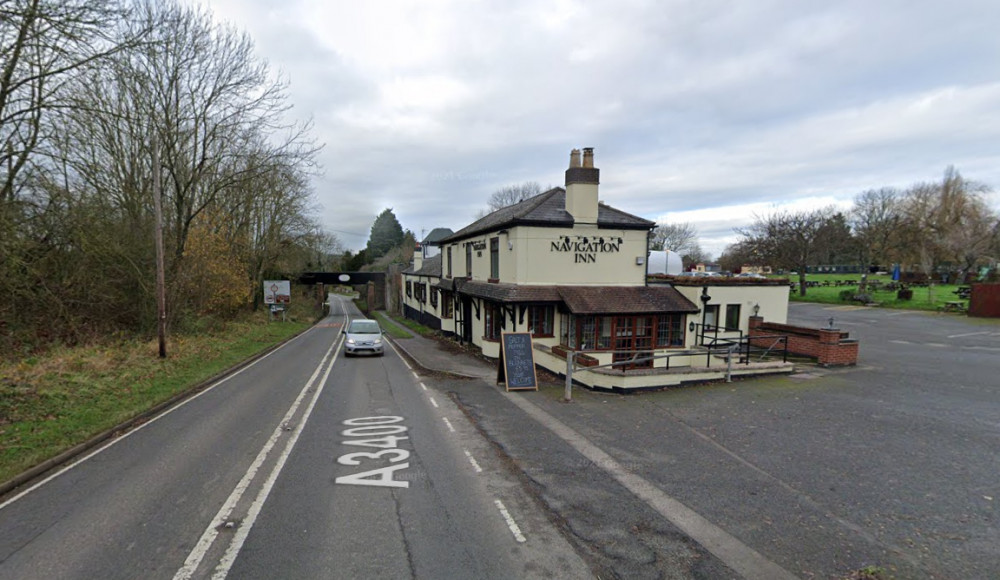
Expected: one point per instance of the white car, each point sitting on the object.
(364, 336)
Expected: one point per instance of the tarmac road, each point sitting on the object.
(303, 465)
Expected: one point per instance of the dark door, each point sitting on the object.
(467, 319)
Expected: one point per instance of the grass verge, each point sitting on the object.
(52, 403)
(924, 298)
(392, 328)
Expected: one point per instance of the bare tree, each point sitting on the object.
(875, 220)
(788, 240)
(509, 195)
(680, 238)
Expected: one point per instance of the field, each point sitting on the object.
(827, 291)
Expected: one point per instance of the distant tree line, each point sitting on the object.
(945, 226)
(87, 87)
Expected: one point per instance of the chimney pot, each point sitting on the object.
(574, 158)
(588, 156)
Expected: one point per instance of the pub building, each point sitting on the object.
(571, 271)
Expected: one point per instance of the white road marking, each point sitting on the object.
(514, 529)
(109, 444)
(416, 376)
(968, 334)
(448, 423)
(472, 460)
(435, 403)
(740, 557)
(936, 344)
(423, 386)
(208, 537)
(900, 342)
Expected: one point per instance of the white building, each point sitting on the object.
(573, 273)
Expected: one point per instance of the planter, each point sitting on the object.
(583, 360)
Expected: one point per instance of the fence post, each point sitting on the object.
(568, 396)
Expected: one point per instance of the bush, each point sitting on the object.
(847, 295)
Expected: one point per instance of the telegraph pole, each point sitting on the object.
(161, 293)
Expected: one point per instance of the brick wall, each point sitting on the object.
(830, 347)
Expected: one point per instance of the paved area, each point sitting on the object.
(893, 463)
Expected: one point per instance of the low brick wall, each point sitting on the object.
(830, 347)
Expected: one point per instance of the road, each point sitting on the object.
(302, 465)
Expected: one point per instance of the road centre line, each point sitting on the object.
(448, 423)
(207, 539)
(472, 460)
(740, 557)
(112, 442)
(514, 529)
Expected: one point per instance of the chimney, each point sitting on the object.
(418, 257)
(581, 187)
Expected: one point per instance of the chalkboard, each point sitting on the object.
(517, 364)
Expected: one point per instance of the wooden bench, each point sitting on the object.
(955, 306)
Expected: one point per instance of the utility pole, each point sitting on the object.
(161, 292)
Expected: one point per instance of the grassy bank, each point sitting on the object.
(51, 403)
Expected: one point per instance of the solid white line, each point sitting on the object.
(107, 445)
(226, 563)
(472, 460)
(740, 557)
(968, 334)
(510, 522)
(208, 537)
(448, 423)
(433, 402)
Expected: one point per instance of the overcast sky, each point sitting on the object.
(699, 111)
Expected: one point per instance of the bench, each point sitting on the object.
(955, 306)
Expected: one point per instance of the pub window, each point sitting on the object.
(567, 332)
(468, 260)
(492, 320)
(732, 316)
(409, 289)
(670, 330)
(495, 258)
(540, 320)
(711, 317)
(446, 304)
(449, 261)
(434, 297)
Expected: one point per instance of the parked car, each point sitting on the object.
(749, 275)
(364, 336)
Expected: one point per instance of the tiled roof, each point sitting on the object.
(436, 235)
(547, 209)
(430, 267)
(510, 292)
(586, 299)
(624, 299)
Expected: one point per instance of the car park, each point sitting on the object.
(363, 336)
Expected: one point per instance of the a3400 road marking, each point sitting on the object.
(383, 433)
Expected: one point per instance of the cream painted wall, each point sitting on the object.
(773, 301)
(537, 262)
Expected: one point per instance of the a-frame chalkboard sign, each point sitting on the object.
(517, 363)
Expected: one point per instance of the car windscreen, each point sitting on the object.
(364, 327)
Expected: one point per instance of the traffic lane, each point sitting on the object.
(137, 504)
(434, 517)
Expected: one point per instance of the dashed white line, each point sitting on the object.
(900, 342)
(448, 423)
(510, 522)
(433, 402)
(472, 460)
(423, 386)
(936, 344)
(416, 376)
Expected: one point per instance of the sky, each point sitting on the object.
(708, 112)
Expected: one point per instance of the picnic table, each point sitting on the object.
(953, 306)
(964, 292)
